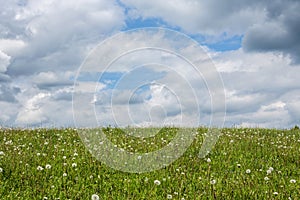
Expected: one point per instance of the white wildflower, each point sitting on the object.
(292, 181)
(95, 197)
(48, 166)
(157, 182)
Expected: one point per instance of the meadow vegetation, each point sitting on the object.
(244, 164)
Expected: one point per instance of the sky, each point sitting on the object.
(254, 47)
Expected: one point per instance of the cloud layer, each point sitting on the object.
(43, 44)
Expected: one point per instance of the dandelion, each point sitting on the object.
(213, 182)
(64, 157)
(48, 166)
(139, 157)
(65, 174)
(95, 197)
(169, 196)
(238, 165)
(269, 171)
(208, 160)
(74, 165)
(2, 153)
(157, 182)
(39, 168)
(248, 171)
(266, 178)
(292, 181)
(275, 193)
(1, 170)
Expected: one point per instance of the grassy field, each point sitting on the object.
(245, 164)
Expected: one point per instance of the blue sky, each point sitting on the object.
(254, 47)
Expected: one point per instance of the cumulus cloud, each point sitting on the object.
(42, 44)
(50, 79)
(261, 88)
(279, 32)
(4, 62)
(206, 17)
(265, 25)
(58, 33)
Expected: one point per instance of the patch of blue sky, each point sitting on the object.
(139, 22)
(224, 44)
(230, 44)
(219, 43)
(144, 23)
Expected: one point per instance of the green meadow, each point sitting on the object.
(245, 163)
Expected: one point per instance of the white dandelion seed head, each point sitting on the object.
(292, 181)
(213, 182)
(65, 174)
(40, 168)
(266, 178)
(1, 170)
(74, 165)
(169, 196)
(2, 153)
(248, 171)
(157, 182)
(275, 193)
(208, 160)
(269, 171)
(95, 197)
(48, 166)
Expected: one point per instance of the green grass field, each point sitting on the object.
(244, 164)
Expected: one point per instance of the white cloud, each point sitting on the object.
(4, 62)
(32, 112)
(58, 33)
(42, 43)
(206, 17)
(10, 46)
(260, 88)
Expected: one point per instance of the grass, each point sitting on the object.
(54, 164)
